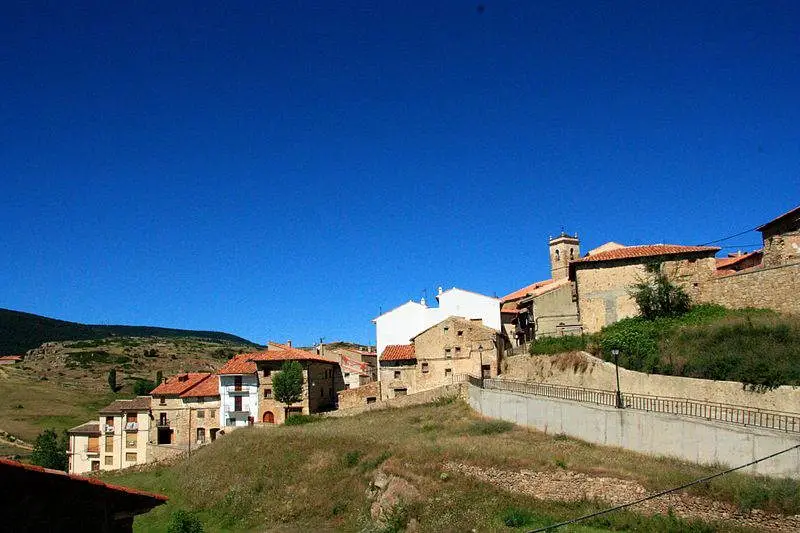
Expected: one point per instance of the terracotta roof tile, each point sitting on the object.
(240, 364)
(789, 214)
(11, 358)
(283, 352)
(398, 352)
(649, 250)
(177, 385)
(140, 403)
(207, 387)
(725, 262)
(90, 480)
(525, 291)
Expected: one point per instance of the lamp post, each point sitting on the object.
(615, 353)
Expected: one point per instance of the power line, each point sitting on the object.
(726, 238)
(662, 493)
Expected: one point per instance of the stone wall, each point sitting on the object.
(427, 396)
(580, 369)
(603, 288)
(553, 310)
(359, 396)
(776, 287)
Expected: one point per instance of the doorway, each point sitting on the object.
(268, 418)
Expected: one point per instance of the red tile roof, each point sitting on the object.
(90, 480)
(284, 352)
(240, 364)
(11, 358)
(177, 385)
(510, 307)
(792, 213)
(648, 250)
(398, 352)
(140, 403)
(525, 291)
(725, 262)
(208, 387)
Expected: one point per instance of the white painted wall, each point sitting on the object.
(249, 396)
(458, 302)
(402, 323)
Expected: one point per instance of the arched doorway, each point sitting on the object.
(268, 417)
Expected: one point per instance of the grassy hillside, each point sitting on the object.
(754, 346)
(459, 473)
(20, 332)
(62, 384)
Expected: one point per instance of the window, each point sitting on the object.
(109, 443)
(266, 372)
(371, 399)
(130, 418)
(460, 333)
(458, 351)
(109, 460)
(446, 329)
(212, 413)
(130, 457)
(447, 353)
(201, 413)
(448, 372)
(396, 374)
(558, 256)
(95, 466)
(267, 394)
(201, 435)
(237, 383)
(347, 374)
(130, 440)
(94, 445)
(571, 254)
(162, 401)
(346, 386)
(237, 403)
(424, 368)
(400, 392)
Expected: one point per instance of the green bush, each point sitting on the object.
(299, 420)
(184, 522)
(568, 343)
(489, 427)
(50, 451)
(516, 517)
(352, 458)
(142, 387)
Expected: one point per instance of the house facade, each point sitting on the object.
(185, 409)
(435, 356)
(398, 326)
(359, 366)
(238, 392)
(83, 450)
(322, 380)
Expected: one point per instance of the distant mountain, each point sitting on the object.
(20, 332)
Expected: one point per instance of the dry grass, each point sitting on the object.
(314, 477)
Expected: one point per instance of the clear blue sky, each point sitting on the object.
(283, 170)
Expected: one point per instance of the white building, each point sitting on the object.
(238, 392)
(398, 326)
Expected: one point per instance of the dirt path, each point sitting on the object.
(6, 439)
(564, 485)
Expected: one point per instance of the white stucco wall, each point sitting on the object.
(401, 323)
(249, 394)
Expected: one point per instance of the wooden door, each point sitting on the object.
(268, 418)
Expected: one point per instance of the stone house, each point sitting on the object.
(781, 238)
(603, 280)
(120, 439)
(398, 326)
(238, 392)
(185, 408)
(547, 307)
(359, 366)
(322, 380)
(453, 346)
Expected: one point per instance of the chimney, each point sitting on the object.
(289, 343)
(440, 290)
(422, 300)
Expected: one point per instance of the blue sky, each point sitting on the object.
(284, 170)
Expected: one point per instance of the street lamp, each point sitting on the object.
(615, 353)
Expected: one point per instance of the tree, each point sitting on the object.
(287, 385)
(159, 377)
(112, 379)
(657, 297)
(142, 387)
(50, 451)
(184, 522)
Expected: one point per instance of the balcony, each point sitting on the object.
(108, 428)
(132, 426)
(234, 390)
(163, 423)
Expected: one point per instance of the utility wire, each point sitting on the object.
(662, 493)
(726, 238)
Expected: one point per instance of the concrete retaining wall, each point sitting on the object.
(658, 434)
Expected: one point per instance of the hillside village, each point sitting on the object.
(422, 347)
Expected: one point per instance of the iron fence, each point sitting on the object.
(734, 414)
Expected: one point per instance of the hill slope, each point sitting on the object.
(455, 472)
(20, 332)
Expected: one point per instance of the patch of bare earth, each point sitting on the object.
(565, 485)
